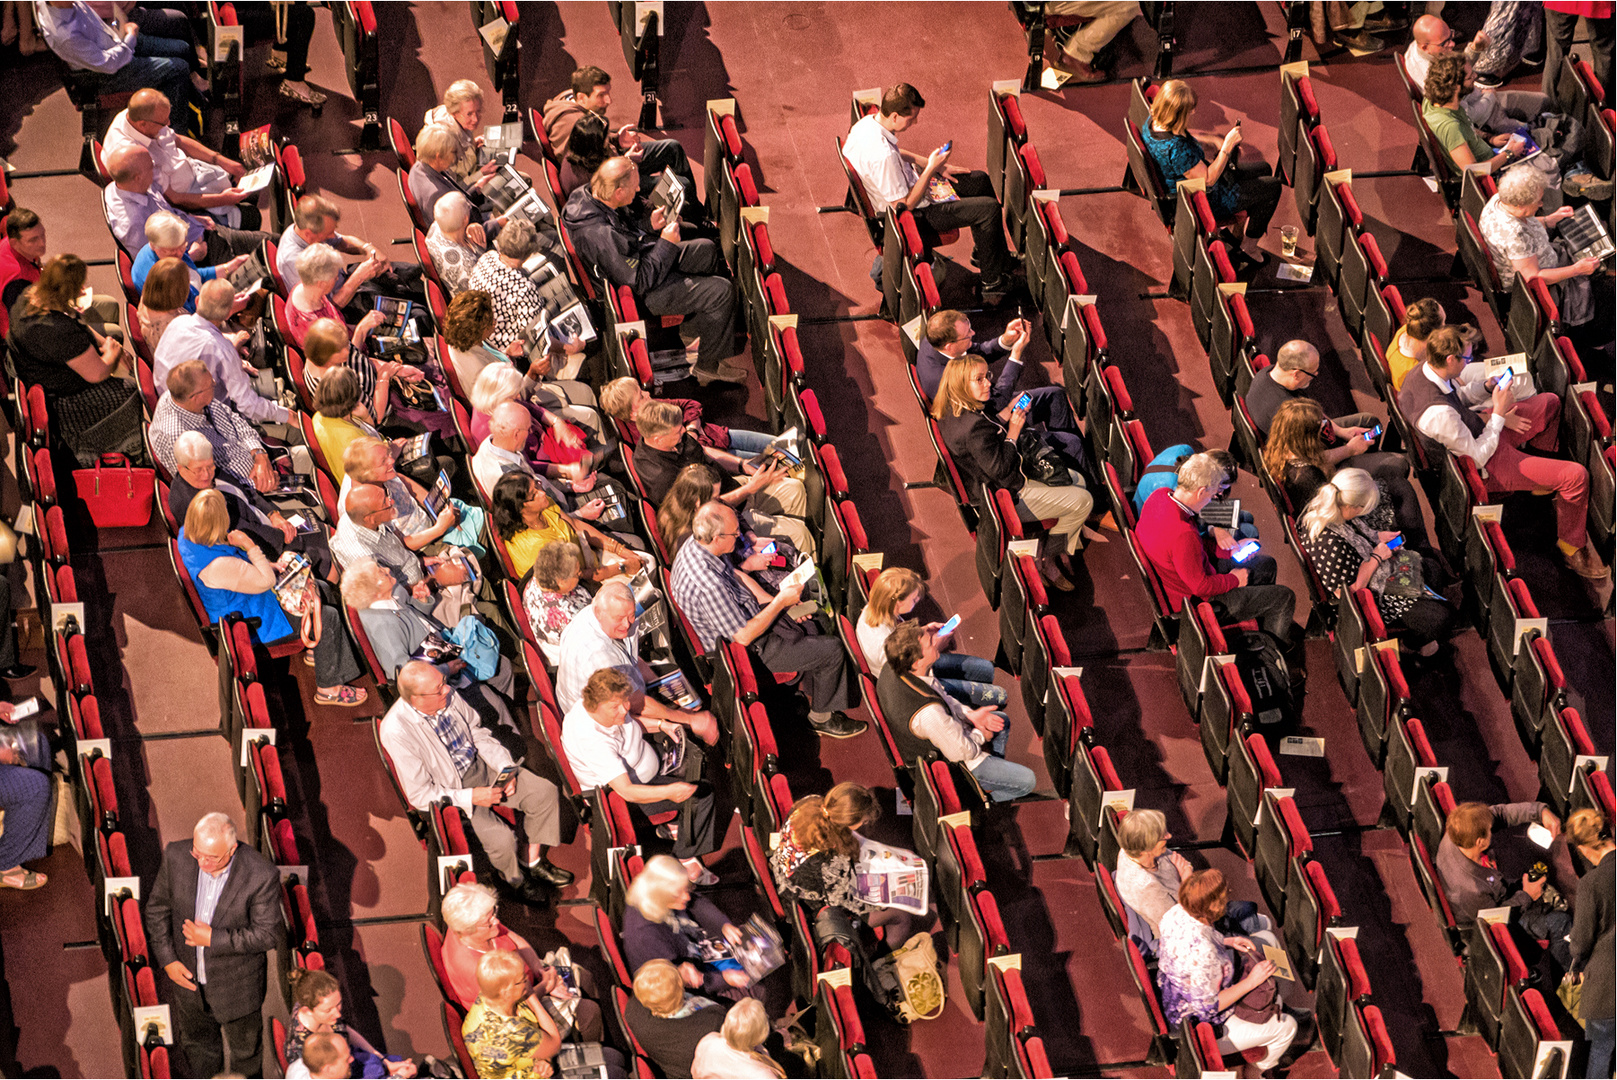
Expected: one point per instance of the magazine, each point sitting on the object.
(398, 330)
(1223, 513)
(250, 275)
(511, 196)
(501, 143)
(438, 498)
(671, 751)
(890, 877)
(783, 449)
(257, 147)
(940, 189)
(669, 194)
(611, 495)
(258, 179)
(674, 689)
(436, 649)
(760, 951)
(1587, 234)
(413, 448)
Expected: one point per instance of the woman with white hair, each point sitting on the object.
(736, 1051)
(1519, 241)
(455, 243)
(461, 115)
(467, 328)
(1148, 877)
(319, 266)
(1348, 553)
(430, 178)
(663, 921)
(165, 239)
(471, 918)
(560, 450)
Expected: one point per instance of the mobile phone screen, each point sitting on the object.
(1245, 551)
(768, 549)
(1373, 434)
(1024, 401)
(949, 627)
(1395, 543)
(946, 147)
(1509, 374)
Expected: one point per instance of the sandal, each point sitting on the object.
(277, 60)
(308, 657)
(304, 96)
(345, 697)
(18, 878)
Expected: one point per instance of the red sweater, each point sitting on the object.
(12, 267)
(1179, 553)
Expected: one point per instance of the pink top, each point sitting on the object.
(460, 964)
(299, 321)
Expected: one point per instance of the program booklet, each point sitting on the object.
(940, 189)
(257, 147)
(501, 143)
(782, 448)
(760, 951)
(398, 330)
(438, 498)
(250, 275)
(669, 194)
(258, 179)
(1587, 234)
(1224, 513)
(674, 689)
(511, 196)
(436, 649)
(611, 495)
(890, 877)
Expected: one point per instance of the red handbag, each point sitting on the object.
(118, 494)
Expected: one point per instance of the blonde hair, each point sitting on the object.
(657, 986)
(658, 418)
(357, 458)
(1349, 487)
(892, 586)
(1586, 828)
(618, 397)
(207, 522)
(498, 969)
(495, 385)
(746, 1026)
(434, 142)
(363, 584)
(653, 890)
(954, 394)
(324, 339)
(1141, 831)
(1171, 110)
(460, 92)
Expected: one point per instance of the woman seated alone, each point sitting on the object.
(1231, 187)
(1204, 974)
(233, 577)
(1350, 553)
(526, 520)
(1520, 243)
(663, 921)
(667, 1020)
(554, 595)
(166, 295)
(984, 448)
(316, 1007)
(53, 348)
(1407, 349)
(735, 1051)
(895, 594)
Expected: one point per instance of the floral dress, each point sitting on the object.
(1193, 965)
(549, 613)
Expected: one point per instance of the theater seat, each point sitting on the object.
(1408, 752)
(1342, 986)
(1493, 967)
(1281, 837)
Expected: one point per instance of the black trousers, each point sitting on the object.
(204, 1039)
(225, 243)
(697, 289)
(259, 20)
(659, 154)
(1273, 606)
(8, 628)
(979, 211)
(1258, 193)
(699, 819)
(818, 658)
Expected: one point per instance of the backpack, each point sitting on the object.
(1266, 676)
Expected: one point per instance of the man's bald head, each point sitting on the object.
(615, 175)
(149, 105)
(365, 500)
(1430, 31)
(508, 425)
(131, 168)
(417, 677)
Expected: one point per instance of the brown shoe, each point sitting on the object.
(1077, 71)
(1585, 563)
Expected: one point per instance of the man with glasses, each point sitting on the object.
(439, 749)
(212, 914)
(189, 405)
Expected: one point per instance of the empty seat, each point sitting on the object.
(1252, 772)
(1493, 966)
(1342, 985)
(1281, 837)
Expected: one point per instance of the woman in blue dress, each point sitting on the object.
(1231, 186)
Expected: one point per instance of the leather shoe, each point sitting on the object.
(720, 374)
(528, 892)
(548, 873)
(1587, 564)
(1302, 1042)
(839, 725)
(18, 671)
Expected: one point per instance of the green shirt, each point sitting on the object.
(1452, 129)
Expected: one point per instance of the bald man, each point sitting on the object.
(133, 196)
(190, 175)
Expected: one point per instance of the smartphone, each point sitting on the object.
(1506, 377)
(507, 774)
(1373, 434)
(949, 627)
(1244, 551)
(946, 147)
(767, 549)
(1023, 402)
(1396, 542)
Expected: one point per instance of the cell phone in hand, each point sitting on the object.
(1244, 551)
(1505, 377)
(767, 549)
(1396, 542)
(1023, 402)
(949, 627)
(1373, 434)
(946, 147)
(507, 774)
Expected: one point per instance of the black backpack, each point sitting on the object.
(1267, 677)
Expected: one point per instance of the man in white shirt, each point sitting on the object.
(1442, 398)
(132, 197)
(605, 635)
(202, 337)
(189, 174)
(890, 176)
(607, 747)
(440, 749)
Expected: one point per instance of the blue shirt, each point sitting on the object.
(286, 259)
(1151, 481)
(148, 258)
(78, 36)
(273, 624)
(1176, 155)
(456, 736)
(209, 888)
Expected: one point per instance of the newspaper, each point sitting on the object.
(890, 877)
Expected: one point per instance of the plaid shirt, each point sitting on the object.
(352, 542)
(454, 733)
(234, 440)
(709, 593)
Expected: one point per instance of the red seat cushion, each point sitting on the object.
(1076, 282)
(1350, 206)
(1035, 169)
(1305, 96)
(1358, 980)
(746, 186)
(1328, 907)
(1013, 116)
(1522, 598)
(1297, 832)
(1327, 152)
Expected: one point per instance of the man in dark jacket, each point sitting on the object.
(668, 276)
(213, 912)
(1474, 882)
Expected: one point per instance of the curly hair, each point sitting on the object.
(827, 824)
(469, 319)
(1444, 78)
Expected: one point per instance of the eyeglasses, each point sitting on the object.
(205, 859)
(718, 535)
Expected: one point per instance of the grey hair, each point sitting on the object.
(499, 382)
(166, 230)
(1521, 187)
(364, 583)
(464, 905)
(192, 447)
(215, 299)
(1293, 355)
(1200, 471)
(215, 824)
(709, 521)
(517, 240)
(318, 263)
(1141, 831)
(452, 212)
(613, 590)
(1349, 487)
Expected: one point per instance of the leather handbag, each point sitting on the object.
(300, 599)
(1041, 461)
(118, 494)
(1260, 1004)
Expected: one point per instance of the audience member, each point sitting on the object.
(128, 58)
(663, 921)
(1453, 130)
(368, 528)
(1520, 244)
(1593, 919)
(607, 635)
(505, 1034)
(1231, 187)
(985, 445)
(189, 174)
(166, 295)
(553, 596)
(1200, 567)
(591, 92)
(206, 885)
(623, 398)
(471, 917)
(316, 1007)
(131, 198)
(667, 1020)
(248, 511)
(1440, 400)
(340, 417)
(1431, 37)
(669, 276)
(1204, 974)
(328, 346)
(314, 221)
(440, 750)
(1149, 876)
(926, 720)
(319, 269)
(1349, 554)
(736, 1051)
(461, 114)
(22, 259)
(526, 518)
(432, 177)
(968, 679)
(1473, 880)
(506, 449)
(519, 303)
(370, 461)
(1407, 349)
(890, 177)
(468, 325)
(189, 405)
(455, 243)
(721, 602)
(1513, 30)
(695, 486)
(588, 147)
(53, 348)
(202, 337)
(28, 803)
(165, 239)
(1103, 21)
(326, 1056)
(233, 576)
(1560, 22)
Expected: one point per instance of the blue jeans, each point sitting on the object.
(1003, 780)
(158, 66)
(969, 679)
(744, 444)
(1602, 1036)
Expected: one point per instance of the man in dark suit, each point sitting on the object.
(213, 912)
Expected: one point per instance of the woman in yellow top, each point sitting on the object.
(507, 1033)
(527, 520)
(340, 418)
(1407, 349)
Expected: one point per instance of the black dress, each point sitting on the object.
(92, 418)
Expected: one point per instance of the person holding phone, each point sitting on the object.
(1349, 553)
(969, 679)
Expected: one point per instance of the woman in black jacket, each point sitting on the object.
(1593, 920)
(983, 445)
